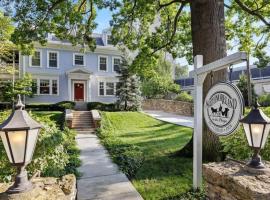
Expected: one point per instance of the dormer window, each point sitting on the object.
(109, 40)
(78, 59)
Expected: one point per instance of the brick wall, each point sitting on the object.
(178, 107)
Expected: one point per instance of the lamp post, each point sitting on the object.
(256, 126)
(19, 135)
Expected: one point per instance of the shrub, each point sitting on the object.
(60, 106)
(264, 100)
(55, 155)
(184, 96)
(101, 106)
(236, 145)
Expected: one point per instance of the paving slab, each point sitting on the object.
(101, 179)
(171, 118)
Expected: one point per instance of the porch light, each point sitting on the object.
(256, 126)
(19, 134)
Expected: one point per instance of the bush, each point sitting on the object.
(60, 106)
(264, 100)
(101, 106)
(55, 155)
(236, 145)
(184, 96)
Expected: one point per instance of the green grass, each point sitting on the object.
(161, 174)
(56, 116)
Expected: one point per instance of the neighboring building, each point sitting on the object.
(260, 79)
(61, 72)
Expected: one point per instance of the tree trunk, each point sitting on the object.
(208, 38)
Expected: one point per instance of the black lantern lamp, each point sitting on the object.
(256, 126)
(19, 135)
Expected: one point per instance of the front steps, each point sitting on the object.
(80, 106)
(83, 121)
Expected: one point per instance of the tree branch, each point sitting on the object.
(176, 19)
(252, 12)
(169, 3)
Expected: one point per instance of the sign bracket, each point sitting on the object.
(200, 72)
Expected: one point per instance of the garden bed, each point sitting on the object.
(56, 153)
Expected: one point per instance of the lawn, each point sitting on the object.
(144, 148)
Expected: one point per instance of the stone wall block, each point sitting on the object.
(177, 107)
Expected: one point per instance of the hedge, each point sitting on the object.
(101, 106)
(60, 106)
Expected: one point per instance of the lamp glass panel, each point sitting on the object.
(31, 143)
(257, 132)
(17, 143)
(4, 140)
(265, 135)
(247, 132)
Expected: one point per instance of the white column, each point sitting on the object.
(69, 89)
(198, 124)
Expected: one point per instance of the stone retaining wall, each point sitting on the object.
(45, 188)
(234, 181)
(177, 107)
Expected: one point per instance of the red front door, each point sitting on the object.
(79, 92)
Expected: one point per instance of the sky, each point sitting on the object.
(103, 19)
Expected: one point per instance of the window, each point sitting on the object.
(109, 40)
(44, 86)
(78, 59)
(109, 88)
(116, 64)
(34, 86)
(53, 60)
(36, 59)
(101, 88)
(102, 63)
(54, 87)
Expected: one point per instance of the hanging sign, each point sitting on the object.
(223, 108)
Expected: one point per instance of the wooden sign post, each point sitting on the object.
(199, 74)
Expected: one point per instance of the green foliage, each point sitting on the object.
(184, 96)
(21, 86)
(181, 71)
(145, 148)
(264, 100)
(159, 86)
(56, 153)
(243, 86)
(128, 91)
(6, 29)
(101, 106)
(60, 106)
(247, 32)
(236, 145)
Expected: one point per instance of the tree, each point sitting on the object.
(22, 86)
(242, 85)
(148, 26)
(128, 90)
(181, 71)
(6, 46)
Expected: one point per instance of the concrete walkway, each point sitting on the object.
(100, 178)
(171, 118)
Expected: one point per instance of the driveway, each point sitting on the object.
(171, 118)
